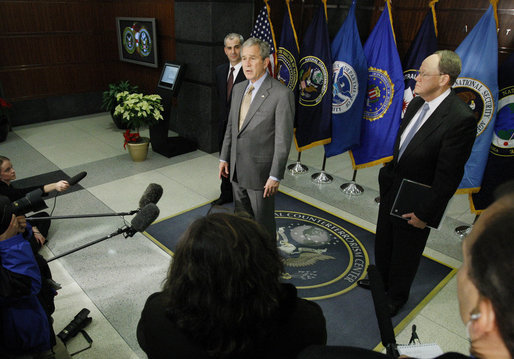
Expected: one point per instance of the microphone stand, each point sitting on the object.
(128, 231)
(89, 215)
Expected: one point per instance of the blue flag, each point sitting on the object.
(287, 71)
(384, 97)
(350, 74)
(500, 164)
(477, 85)
(424, 45)
(314, 112)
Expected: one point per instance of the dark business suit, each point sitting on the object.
(435, 156)
(260, 149)
(223, 110)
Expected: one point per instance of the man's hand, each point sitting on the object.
(414, 221)
(12, 230)
(62, 186)
(223, 169)
(22, 223)
(270, 188)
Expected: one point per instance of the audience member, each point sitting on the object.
(7, 175)
(223, 298)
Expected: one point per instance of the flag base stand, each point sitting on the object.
(297, 168)
(322, 178)
(352, 189)
(463, 231)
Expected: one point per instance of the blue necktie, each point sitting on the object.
(415, 127)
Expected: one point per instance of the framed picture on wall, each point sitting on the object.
(137, 40)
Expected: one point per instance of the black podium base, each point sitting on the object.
(174, 146)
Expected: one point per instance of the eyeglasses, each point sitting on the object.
(423, 74)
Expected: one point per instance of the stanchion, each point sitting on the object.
(297, 168)
(463, 231)
(322, 177)
(352, 188)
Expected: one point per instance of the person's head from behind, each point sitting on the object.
(223, 284)
(486, 280)
(7, 172)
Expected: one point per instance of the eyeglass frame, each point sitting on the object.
(423, 75)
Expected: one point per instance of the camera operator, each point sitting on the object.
(7, 175)
(25, 328)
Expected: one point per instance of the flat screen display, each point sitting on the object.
(171, 76)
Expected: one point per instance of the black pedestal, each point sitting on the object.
(174, 146)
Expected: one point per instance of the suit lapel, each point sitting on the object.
(258, 100)
(431, 124)
(224, 76)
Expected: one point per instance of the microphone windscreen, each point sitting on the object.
(145, 217)
(152, 194)
(77, 178)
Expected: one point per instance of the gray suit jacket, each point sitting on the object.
(262, 146)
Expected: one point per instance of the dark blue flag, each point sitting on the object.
(424, 45)
(350, 74)
(287, 71)
(477, 85)
(383, 105)
(500, 164)
(314, 113)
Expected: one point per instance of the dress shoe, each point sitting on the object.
(221, 200)
(364, 283)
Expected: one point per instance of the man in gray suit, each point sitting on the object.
(258, 136)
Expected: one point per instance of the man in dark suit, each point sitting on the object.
(258, 136)
(227, 75)
(433, 144)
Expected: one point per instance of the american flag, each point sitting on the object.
(263, 30)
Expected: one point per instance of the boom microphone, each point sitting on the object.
(77, 178)
(143, 219)
(139, 223)
(152, 194)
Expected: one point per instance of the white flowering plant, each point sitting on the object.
(138, 110)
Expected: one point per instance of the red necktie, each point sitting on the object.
(230, 83)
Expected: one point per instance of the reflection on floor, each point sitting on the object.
(113, 278)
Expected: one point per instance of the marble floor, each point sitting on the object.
(114, 277)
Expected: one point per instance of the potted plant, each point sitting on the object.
(109, 101)
(4, 119)
(137, 110)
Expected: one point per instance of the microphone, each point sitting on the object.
(152, 194)
(77, 178)
(143, 219)
(139, 223)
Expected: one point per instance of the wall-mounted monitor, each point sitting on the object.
(137, 40)
(171, 76)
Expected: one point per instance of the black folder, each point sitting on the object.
(409, 195)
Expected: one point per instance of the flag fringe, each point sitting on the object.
(432, 7)
(368, 164)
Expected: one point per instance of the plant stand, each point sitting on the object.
(138, 151)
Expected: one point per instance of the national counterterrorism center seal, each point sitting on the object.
(287, 70)
(313, 80)
(322, 259)
(346, 87)
(380, 94)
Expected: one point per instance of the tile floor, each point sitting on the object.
(114, 277)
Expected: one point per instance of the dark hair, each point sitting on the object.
(492, 270)
(223, 284)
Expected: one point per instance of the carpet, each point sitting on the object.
(325, 255)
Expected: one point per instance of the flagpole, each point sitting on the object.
(322, 177)
(297, 168)
(352, 188)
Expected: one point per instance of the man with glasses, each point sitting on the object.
(432, 146)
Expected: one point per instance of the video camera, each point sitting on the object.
(32, 202)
